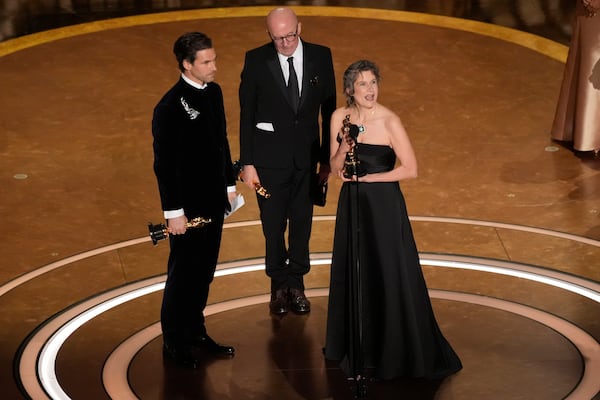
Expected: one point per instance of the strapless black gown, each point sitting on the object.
(400, 335)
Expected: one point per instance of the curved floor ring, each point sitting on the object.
(114, 374)
(37, 360)
(525, 39)
(32, 374)
(66, 261)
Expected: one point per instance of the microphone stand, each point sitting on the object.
(355, 356)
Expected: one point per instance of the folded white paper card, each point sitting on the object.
(236, 203)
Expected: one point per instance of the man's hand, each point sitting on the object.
(249, 176)
(177, 225)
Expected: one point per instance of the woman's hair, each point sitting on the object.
(188, 44)
(352, 73)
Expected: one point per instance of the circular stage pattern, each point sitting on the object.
(36, 367)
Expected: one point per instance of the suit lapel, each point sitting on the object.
(307, 72)
(275, 69)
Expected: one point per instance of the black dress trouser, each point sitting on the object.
(289, 207)
(190, 270)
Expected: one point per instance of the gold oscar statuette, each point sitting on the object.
(160, 232)
(352, 165)
(261, 190)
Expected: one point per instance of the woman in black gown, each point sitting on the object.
(396, 334)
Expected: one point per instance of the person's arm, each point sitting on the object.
(339, 142)
(247, 98)
(327, 108)
(164, 127)
(229, 172)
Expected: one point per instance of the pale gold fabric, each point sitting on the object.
(577, 116)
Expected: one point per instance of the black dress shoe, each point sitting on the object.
(298, 301)
(279, 302)
(181, 355)
(206, 344)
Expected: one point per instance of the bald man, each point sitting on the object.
(281, 145)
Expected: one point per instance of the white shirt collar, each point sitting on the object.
(192, 83)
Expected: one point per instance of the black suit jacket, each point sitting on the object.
(295, 140)
(192, 160)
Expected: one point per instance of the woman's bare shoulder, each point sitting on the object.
(389, 116)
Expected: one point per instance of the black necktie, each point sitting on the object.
(292, 86)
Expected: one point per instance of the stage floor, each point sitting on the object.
(506, 220)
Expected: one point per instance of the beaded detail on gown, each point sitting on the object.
(400, 335)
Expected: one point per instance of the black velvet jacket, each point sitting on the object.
(192, 160)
